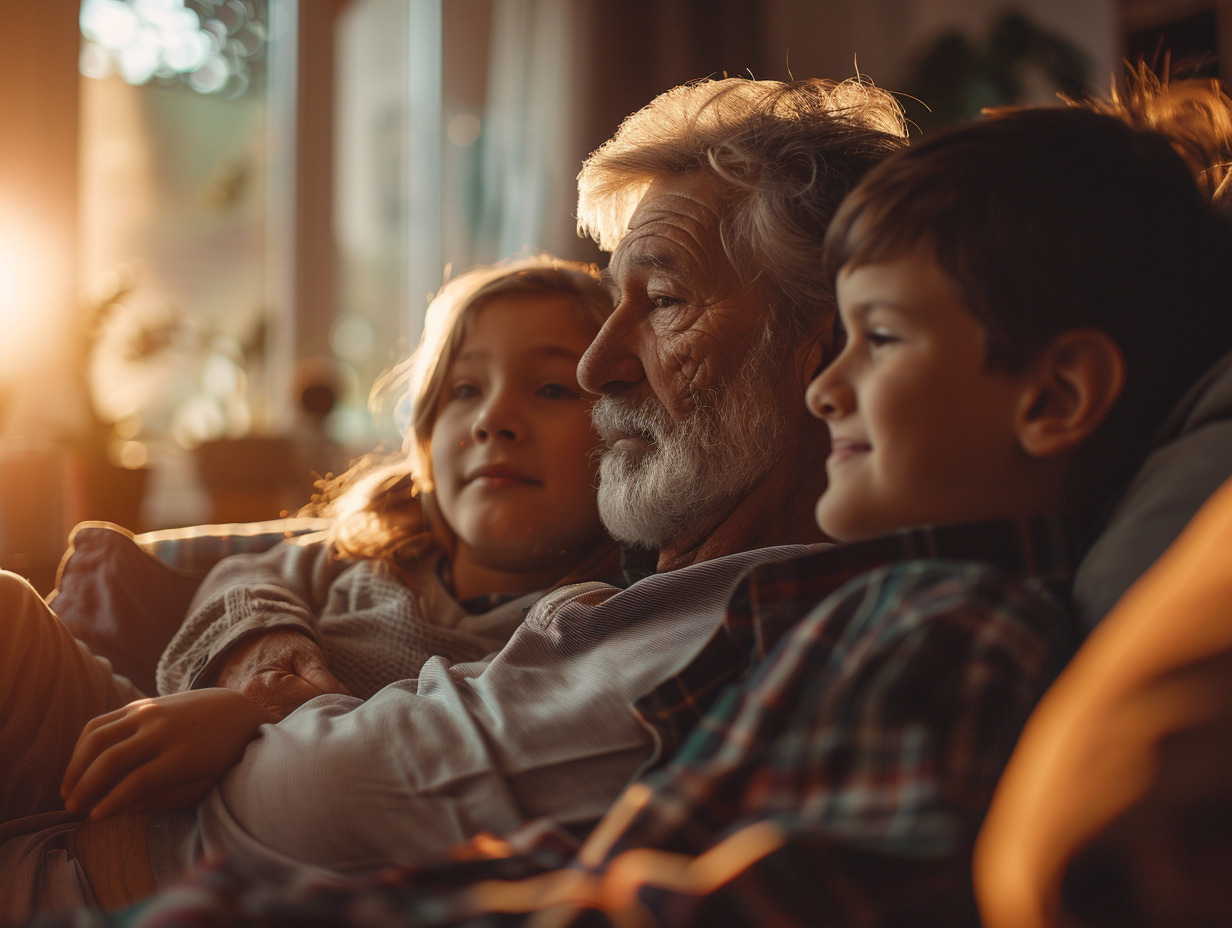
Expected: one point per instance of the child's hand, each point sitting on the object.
(159, 753)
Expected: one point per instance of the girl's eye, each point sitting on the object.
(557, 391)
(463, 391)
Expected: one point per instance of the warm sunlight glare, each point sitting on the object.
(24, 290)
(8, 290)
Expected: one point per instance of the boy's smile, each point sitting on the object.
(921, 430)
(841, 449)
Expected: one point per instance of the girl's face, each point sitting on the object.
(512, 468)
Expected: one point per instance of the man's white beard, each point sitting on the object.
(687, 473)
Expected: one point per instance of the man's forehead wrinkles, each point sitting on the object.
(668, 247)
(675, 235)
(654, 252)
(690, 230)
(674, 208)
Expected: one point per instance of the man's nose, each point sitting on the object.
(611, 364)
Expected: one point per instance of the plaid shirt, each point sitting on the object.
(839, 741)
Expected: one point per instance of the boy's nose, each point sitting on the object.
(829, 396)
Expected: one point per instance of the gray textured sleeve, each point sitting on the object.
(243, 595)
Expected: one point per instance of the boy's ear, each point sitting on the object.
(1077, 379)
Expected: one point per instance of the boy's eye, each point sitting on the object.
(878, 337)
(557, 391)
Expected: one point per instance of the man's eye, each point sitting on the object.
(557, 391)
(663, 301)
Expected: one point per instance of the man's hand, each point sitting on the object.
(280, 669)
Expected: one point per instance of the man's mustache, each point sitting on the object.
(617, 417)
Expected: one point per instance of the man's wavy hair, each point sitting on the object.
(784, 153)
(383, 503)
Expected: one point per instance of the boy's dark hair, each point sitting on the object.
(1054, 219)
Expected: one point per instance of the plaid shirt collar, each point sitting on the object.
(774, 596)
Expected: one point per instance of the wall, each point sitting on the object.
(826, 39)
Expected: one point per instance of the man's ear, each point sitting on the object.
(1076, 380)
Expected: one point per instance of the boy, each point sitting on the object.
(1024, 300)
(1080, 274)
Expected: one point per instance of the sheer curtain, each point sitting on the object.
(562, 74)
(528, 158)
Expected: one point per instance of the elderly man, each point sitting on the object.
(715, 199)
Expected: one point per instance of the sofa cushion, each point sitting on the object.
(1125, 764)
(119, 599)
(125, 595)
(1191, 459)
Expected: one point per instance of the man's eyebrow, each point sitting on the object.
(655, 260)
(643, 260)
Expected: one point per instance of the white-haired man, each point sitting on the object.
(715, 199)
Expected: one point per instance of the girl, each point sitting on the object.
(438, 552)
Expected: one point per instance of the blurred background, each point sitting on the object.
(220, 220)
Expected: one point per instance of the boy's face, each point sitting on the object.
(921, 433)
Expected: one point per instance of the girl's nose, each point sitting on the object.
(498, 419)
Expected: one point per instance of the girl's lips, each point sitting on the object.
(500, 475)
